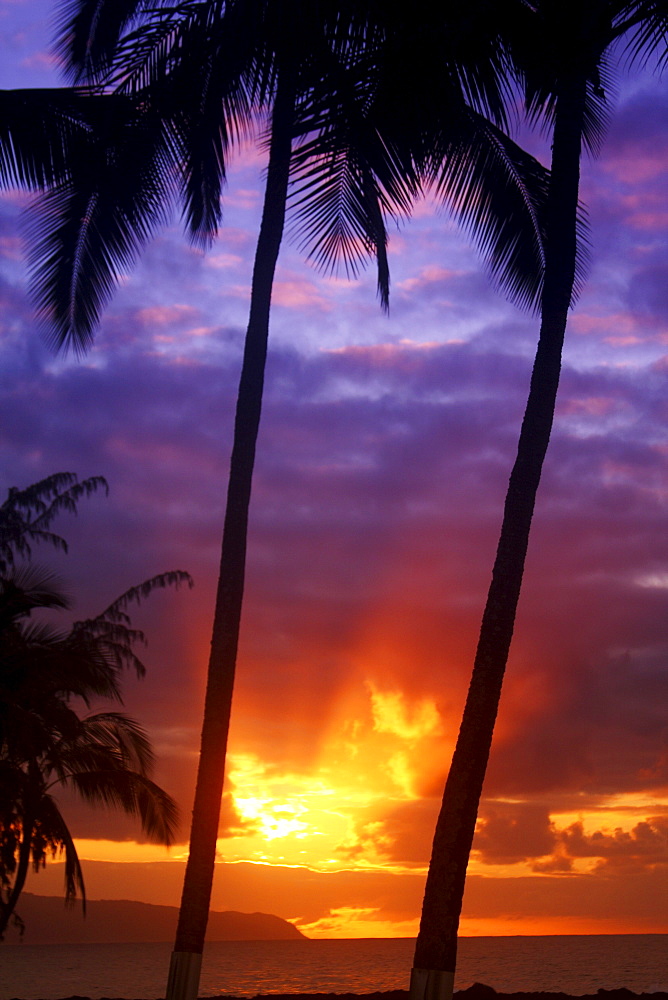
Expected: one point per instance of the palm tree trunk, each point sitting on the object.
(432, 977)
(186, 958)
(7, 907)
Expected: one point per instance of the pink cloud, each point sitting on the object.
(222, 261)
(40, 61)
(11, 247)
(244, 198)
(166, 315)
(428, 276)
(231, 235)
(651, 221)
(299, 294)
(621, 323)
(593, 406)
(629, 168)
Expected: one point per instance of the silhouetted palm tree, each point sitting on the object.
(561, 48)
(27, 514)
(106, 758)
(223, 63)
(358, 146)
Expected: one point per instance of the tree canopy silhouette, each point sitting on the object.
(47, 675)
(357, 144)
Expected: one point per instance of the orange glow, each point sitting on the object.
(371, 759)
(358, 922)
(338, 819)
(127, 851)
(529, 926)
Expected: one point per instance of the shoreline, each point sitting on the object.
(478, 991)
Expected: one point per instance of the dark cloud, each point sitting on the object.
(638, 894)
(509, 832)
(390, 466)
(644, 846)
(402, 834)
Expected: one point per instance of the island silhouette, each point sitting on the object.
(117, 921)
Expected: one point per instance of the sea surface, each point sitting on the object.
(572, 964)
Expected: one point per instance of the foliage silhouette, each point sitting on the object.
(44, 132)
(357, 148)
(106, 757)
(561, 51)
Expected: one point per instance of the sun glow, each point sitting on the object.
(362, 807)
(331, 817)
(358, 922)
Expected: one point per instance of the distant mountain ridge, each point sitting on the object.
(117, 921)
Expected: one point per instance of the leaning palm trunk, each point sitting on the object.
(432, 977)
(186, 957)
(8, 906)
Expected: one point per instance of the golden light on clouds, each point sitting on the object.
(358, 922)
(127, 851)
(392, 713)
(358, 809)
(331, 817)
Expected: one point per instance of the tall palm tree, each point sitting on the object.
(245, 60)
(44, 673)
(356, 146)
(562, 50)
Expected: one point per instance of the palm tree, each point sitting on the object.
(561, 51)
(27, 514)
(357, 147)
(229, 81)
(106, 758)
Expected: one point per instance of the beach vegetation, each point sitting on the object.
(50, 678)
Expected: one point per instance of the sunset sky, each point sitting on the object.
(384, 453)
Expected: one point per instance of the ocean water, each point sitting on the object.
(572, 964)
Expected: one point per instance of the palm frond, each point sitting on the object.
(123, 736)
(84, 232)
(346, 181)
(52, 835)
(134, 794)
(28, 588)
(88, 32)
(554, 44)
(223, 119)
(68, 499)
(41, 133)
(644, 23)
(499, 195)
(135, 595)
(109, 635)
(26, 514)
(194, 59)
(333, 204)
